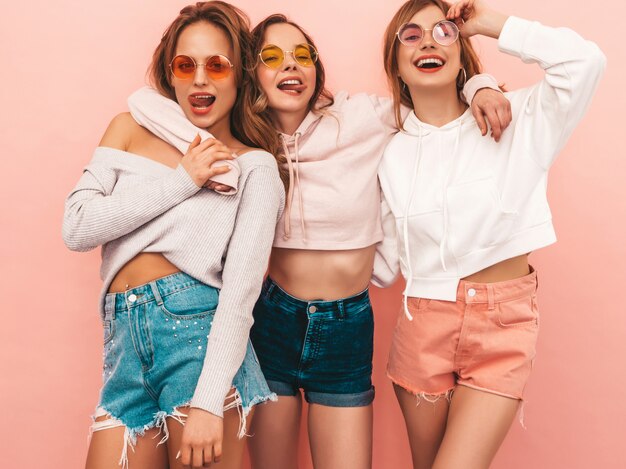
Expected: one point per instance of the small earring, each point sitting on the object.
(462, 84)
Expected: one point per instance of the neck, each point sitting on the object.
(437, 106)
(221, 131)
(288, 122)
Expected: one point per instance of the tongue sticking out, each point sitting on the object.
(202, 101)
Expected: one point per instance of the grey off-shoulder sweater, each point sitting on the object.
(131, 204)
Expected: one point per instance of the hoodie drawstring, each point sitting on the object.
(405, 227)
(444, 237)
(293, 182)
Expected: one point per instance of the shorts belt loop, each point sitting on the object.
(156, 293)
(109, 307)
(270, 290)
(341, 309)
(491, 297)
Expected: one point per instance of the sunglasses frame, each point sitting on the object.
(196, 65)
(458, 33)
(312, 50)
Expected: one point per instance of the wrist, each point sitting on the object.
(491, 25)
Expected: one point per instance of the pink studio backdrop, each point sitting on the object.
(67, 69)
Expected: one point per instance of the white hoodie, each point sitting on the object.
(460, 203)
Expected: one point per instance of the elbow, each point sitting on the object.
(596, 61)
(73, 241)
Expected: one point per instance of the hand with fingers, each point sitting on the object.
(475, 17)
(200, 158)
(492, 107)
(201, 444)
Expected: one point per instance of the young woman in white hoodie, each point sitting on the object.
(467, 212)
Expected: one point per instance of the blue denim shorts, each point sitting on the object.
(323, 347)
(155, 338)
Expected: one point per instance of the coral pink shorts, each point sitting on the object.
(485, 340)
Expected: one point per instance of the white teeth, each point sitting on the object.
(430, 61)
(290, 82)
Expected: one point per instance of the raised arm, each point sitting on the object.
(550, 110)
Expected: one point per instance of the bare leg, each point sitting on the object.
(478, 421)
(425, 425)
(341, 437)
(232, 446)
(275, 432)
(106, 446)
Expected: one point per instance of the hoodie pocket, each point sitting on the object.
(476, 217)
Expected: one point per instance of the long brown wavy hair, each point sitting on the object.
(251, 128)
(400, 93)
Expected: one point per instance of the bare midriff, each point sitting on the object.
(509, 269)
(141, 269)
(322, 275)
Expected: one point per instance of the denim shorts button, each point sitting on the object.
(312, 309)
(132, 298)
(471, 292)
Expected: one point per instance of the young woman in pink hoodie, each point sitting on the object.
(313, 321)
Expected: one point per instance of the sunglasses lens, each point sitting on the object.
(410, 34)
(305, 55)
(218, 67)
(272, 56)
(183, 67)
(445, 33)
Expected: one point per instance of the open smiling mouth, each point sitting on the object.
(429, 64)
(291, 86)
(201, 101)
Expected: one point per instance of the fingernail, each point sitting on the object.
(178, 455)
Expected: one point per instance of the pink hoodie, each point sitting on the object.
(333, 201)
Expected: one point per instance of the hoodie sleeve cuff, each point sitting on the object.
(478, 82)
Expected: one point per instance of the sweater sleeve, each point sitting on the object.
(552, 108)
(165, 119)
(246, 261)
(96, 214)
(386, 258)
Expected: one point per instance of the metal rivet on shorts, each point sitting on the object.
(471, 292)
(201, 327)
(312, 309)
(194, 323)
(132, 298)
(187, 326)
(177, 322)
(175, 335)
(199, 347)
(166, 319)
(173, 328)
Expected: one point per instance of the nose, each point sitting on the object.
(200, 77)
(427, 40)
(289, 62)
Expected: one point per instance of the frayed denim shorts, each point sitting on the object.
(155, 338)
(322, 347)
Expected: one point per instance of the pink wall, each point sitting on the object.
(67, 67)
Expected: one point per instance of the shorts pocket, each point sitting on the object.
(520, 312)
(196, 301)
